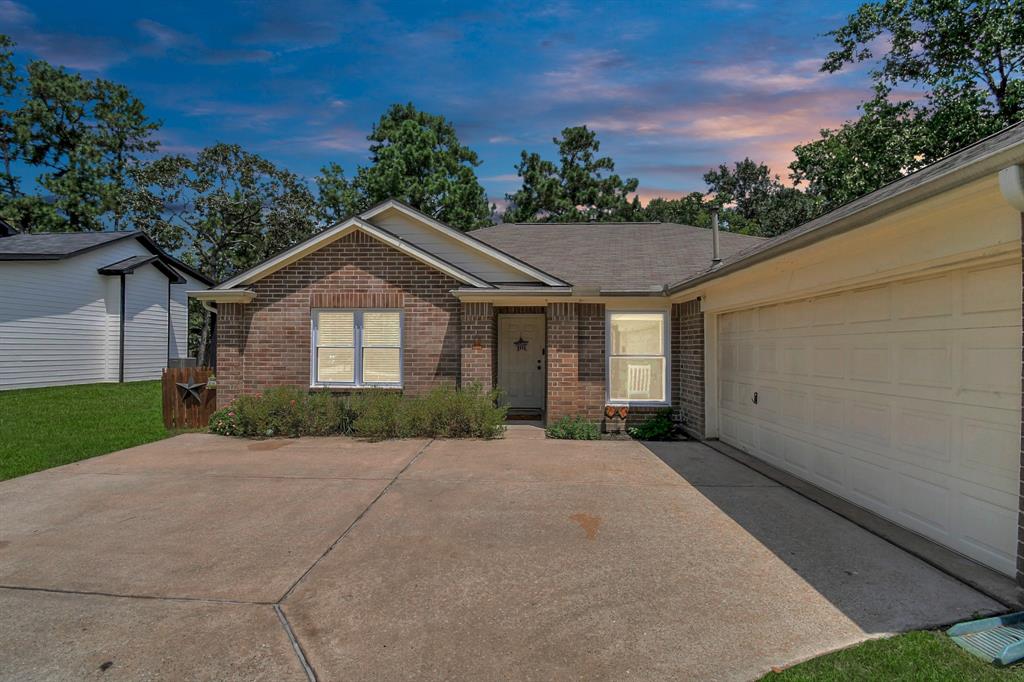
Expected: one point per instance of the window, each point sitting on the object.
(357, 348)
(637, 366)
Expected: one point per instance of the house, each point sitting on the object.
(874, 351)
(86, 307)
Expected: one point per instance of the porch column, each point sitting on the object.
(563, 388)
(230, 345)
(478, 345)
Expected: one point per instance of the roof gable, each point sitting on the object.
(330, 235)
(450, 251)
(485, 260)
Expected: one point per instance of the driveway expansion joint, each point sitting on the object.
(355, 521)
(296, 647)
(149, 597)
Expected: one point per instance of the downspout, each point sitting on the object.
(120, 369)
(1011, 184)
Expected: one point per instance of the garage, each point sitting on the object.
(902, 397)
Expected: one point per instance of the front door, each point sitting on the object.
(521, 360)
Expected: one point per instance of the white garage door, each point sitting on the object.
(902, 398)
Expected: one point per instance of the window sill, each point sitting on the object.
(638, 403)
(353, 389)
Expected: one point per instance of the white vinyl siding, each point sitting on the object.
(903, 398)
(60, 319)
(447, 248)
(357, 348)
(637, 357)
(146, 324)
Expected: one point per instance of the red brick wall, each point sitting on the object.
(591, 373)
(479, 335)
(688, 366)
(267, 342)
(563, 389)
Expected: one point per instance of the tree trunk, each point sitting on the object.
(204, 338)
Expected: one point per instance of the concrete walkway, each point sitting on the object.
(203, 557)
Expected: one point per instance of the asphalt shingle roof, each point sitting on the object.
(639, 256)
(47, 245)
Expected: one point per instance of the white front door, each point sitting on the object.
(521, 360)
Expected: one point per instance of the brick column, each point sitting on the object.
(478, 345)
(229, 352)
(563, 389)
(688, 366)
(592, 360)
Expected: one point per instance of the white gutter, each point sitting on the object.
(223, 296)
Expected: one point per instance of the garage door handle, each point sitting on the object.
(755, 398)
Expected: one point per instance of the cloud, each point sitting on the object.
(336, 139)
(164, 40)
(767, 76)
(73, 50)
(589, 75)
(504, 177)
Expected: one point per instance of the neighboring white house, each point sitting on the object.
(79, 308)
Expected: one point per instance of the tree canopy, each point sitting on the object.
(965, 59)
(79, 140)
(415, 157)
(224, 211)
(582, 186)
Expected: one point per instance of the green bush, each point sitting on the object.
(377, 415)
(658, 427)
(442, 413)
(574, 428)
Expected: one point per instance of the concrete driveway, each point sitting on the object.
(203, 557)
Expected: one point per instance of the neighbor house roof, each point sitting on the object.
(56, 245)
(989, 155)
(129, 265)
(60, 245)
(614, 257)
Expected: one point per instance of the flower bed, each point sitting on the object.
(377, 415)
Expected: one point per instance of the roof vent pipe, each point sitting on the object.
(716, 255)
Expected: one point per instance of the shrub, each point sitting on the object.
(574, 428)
(283, 411)
(442, 413)
(377, 415)
(658, 427)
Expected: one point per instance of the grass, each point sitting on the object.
(47, 427)
(924, 656)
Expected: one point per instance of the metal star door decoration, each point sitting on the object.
(521, 344)
(191, 388)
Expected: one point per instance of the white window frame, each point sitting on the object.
(665, 349)
(357, 340)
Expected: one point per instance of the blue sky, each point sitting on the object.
(671, 87)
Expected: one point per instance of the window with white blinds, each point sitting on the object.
(357, 348)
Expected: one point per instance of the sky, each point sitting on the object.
(672, 88)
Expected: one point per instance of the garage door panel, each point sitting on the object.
(870, 485)
(988, 529)
(903, 398)
(991, 289)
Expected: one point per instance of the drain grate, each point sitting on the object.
(998, 640)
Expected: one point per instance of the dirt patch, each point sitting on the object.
(588, 523)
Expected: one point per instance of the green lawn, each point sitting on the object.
(925, 656)
(46, 427)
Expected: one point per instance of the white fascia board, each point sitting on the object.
(337, 232)
(223, 295)
(467, 241)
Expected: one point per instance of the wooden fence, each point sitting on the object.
(188, 403)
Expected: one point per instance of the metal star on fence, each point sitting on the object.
(191, 388)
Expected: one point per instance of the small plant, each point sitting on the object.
(657, 427)
(574, 428)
